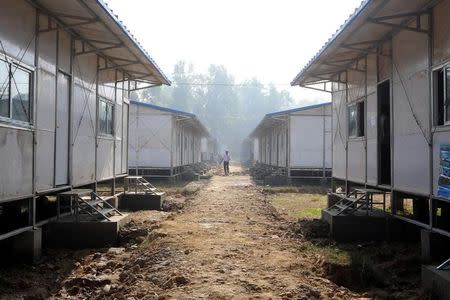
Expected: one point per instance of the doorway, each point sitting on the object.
(384, 133)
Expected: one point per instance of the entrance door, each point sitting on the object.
(62, 130)
(384, 133)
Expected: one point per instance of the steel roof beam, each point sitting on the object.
(398, 16)
(118, 66)
(99, 41)
(82, 3)
(99, 50)
(75, 34)
(67, 26)
(148, 86)
(372, 42)
(401, 27)
(61, 15)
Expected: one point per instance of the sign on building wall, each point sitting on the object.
(444, 172)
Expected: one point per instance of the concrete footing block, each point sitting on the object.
(27, 246)
(436, 282)
(70, 234)
(434, 247)
(135, 202)
(351, 228)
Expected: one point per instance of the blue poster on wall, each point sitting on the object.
(444, 172)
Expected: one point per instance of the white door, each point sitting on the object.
(62, 130)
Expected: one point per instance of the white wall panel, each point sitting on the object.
(339, 111)
(64, 51)
(17, 29)
(151, 134)
(16, 165)
(256, 149)
(83, 139)
(106, 84)
(410, 96)
(125, 138)
(47, 51)
(118, 136)
(441, 32)
(356, 161)
(371, 121)
(306, 141)
(328, 140)
(45, 125)
(385, 62)
(356, 85)
(105, 158)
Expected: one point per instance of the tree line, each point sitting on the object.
(230, 110)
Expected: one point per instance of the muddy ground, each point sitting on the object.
(224, 240)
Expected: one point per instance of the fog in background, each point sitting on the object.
(229, 109)
(232, 61)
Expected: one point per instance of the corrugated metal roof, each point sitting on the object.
(332, 39)
(131, 36)
(359, 36)
(103, 33)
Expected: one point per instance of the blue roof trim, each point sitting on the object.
(352, 18)
(166, 109)
(109, 11)
(284, 112)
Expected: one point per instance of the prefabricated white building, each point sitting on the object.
(249, 150)
(209, 148)
(296, 140)
(387, 71)
(163, 140)
(66, 69)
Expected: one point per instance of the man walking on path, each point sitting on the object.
(226, 163)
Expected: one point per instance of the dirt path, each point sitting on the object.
(229, 244)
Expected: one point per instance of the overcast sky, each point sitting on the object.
(268, 39)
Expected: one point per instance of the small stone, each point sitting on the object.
(107, 289)
(113, 250)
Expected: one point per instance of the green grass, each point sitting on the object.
(294, 189)
(300, 206)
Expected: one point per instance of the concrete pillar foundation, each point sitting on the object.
(27, 246)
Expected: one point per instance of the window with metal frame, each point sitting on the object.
(15, 92)
(356, 120)
(106, 117)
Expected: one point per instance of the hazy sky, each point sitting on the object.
(268, 39)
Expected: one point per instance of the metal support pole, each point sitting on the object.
(324, 145)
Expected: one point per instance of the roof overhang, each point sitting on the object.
(100, 31)
(371, 25)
